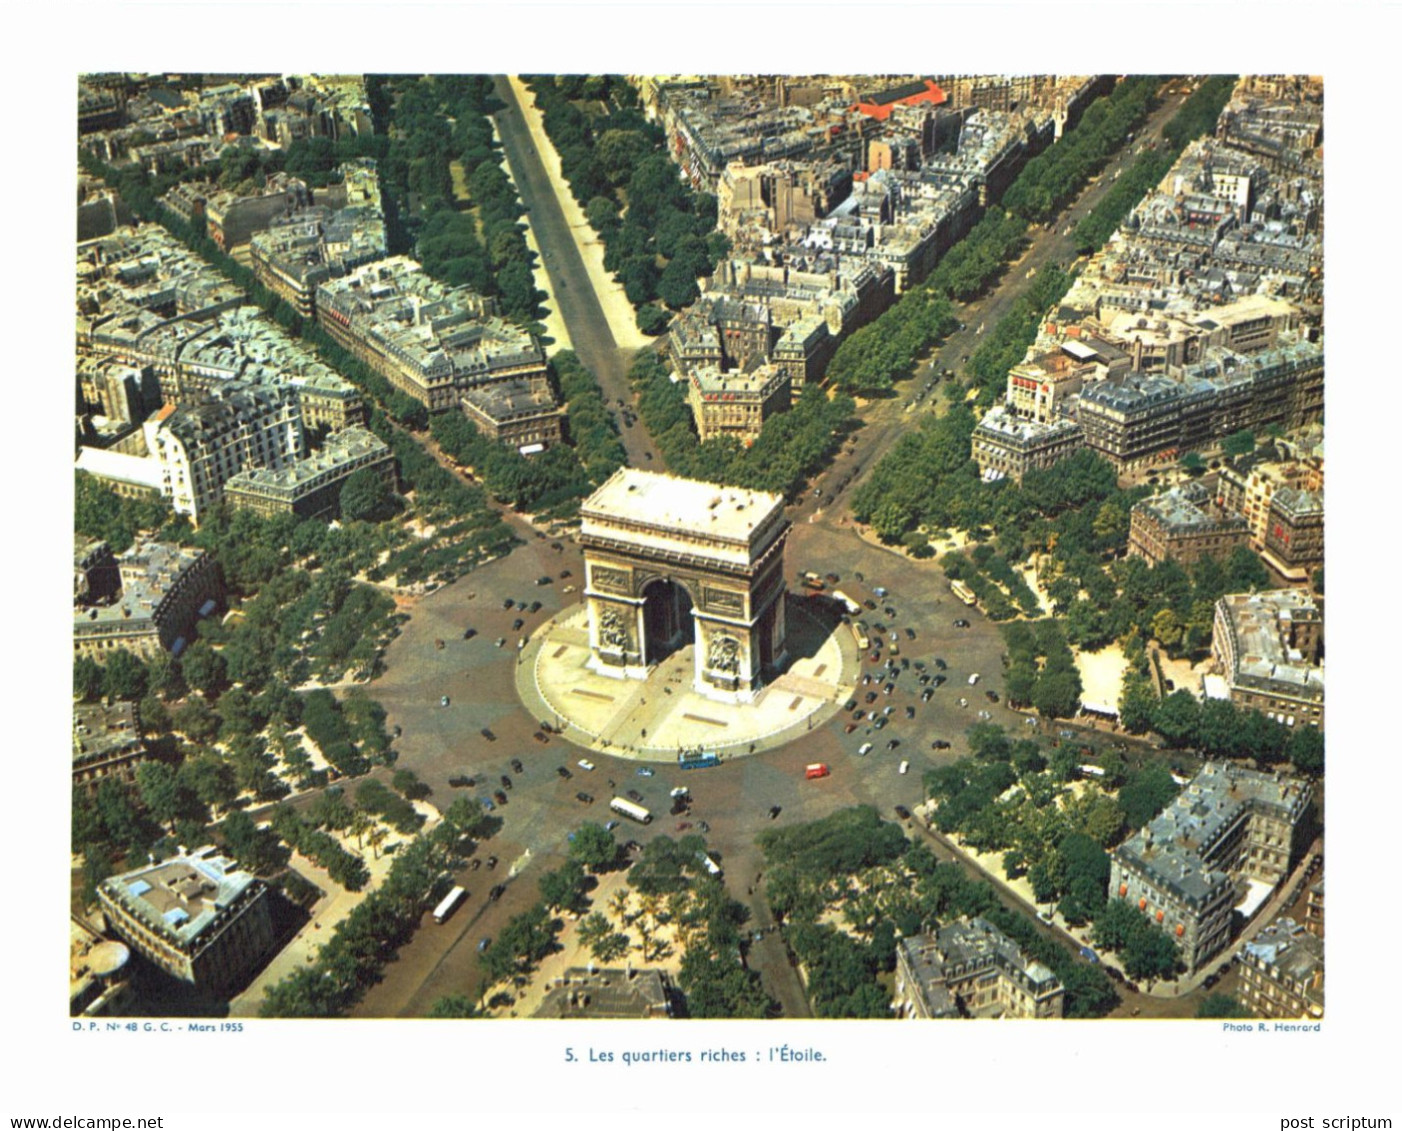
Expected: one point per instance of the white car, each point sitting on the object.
(973, 679)
(585, 764)
(864, 749)
(905, 767)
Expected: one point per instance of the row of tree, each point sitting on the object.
(658, 234)
(1221, 729)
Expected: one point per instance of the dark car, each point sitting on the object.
(461, 781)
(539, 736)
(508, 603)
(634, 795)
(496, 893)
(890, 611)
(851, 705)
(961, 623)
(469, 633)
(910, 634)
(902, 812)
(544, 579)
(925, 695)
(910, 712)
(535, 607)
(584, 797)
(486, 732)
(491, 862)
(564, 773)
(516, 624)
(871, 696)
(774, 811)
(565, 573)
(869, 603)
(1209, 981)
(893, 744)
(940, 664)
(516, 765)
(992, 696)
(849, 728)
(833, 578)
(500, 796)
(881, 722)
(505, 781)
(939, 744)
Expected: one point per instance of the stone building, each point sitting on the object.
(672, 562)
(1184, 867)
(107, 743)
(969, 968)
(1004, 445)
(607, 994)
(1282, 972)
(1294, 542)
(195, 916)
(311, 487)
(1268, 646)
(1182, 525)
(737, 404)
(520, 413)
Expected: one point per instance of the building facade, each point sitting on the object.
(671, 562)
(969, 968)
(520, 413)
(1282, 972)
(311, 487)
(1268, 646)
(195, 916)
(1004, 445)
(737, 404)
(1183, 525)
(107, 744)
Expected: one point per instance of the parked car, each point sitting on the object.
(462, 781)
(508, 603)
(645, 771)
(634, 795)
(961, 623)
(544, 579)
(469, 633)
(486, 732)
(893, 744)
(500, 796)
(443, 702)
(902, 812)
(939, 744)
(505, 781)
(992, 696)
(774, 811)
(516, 624)
(584, 797)
(535, 607)
(609, 826)
(585, 764)
(485, 942)
(540, 737)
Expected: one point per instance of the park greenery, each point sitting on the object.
(847, 886)
(791, 447)
(1041, 670)
(658, 234)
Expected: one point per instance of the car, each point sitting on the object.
(870, 697)
(870, 604)
(469, 633)
(500, 796)
(491, 862)
(992, 696)
(609, 826)
(985, 715)
(973, 679)
(849, 728)
(890, 611)
(564, 773)
(910, 712)
(880, 592)
(544, 579)
(443, 702)
(890, 687)
(1209, 981)
(485, 942)
(516, 624)
(774, 811)
(565, 573)
(939, 744)
(501, 640)
(864, 749)
(634, 795)
(567, 589)
(505, 781)
(961, 623)
(893, 744)
(587, 799)
(462, 781)
(488, 804)
(910, 634)
(703, 826)
(1090, 955)
(850, 705)
(535, 607)
(963, 702)
(925, 695)
(508, 603)
(486, 732)
(1045, 917)
(682, 826)
(540, 737)
(496, 893)
(585, 764)
(940, 664)
(645, 771)
(902, 812)
(833, 578)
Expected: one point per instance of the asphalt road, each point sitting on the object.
(570, 286)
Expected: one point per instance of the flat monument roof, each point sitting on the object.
(685, 505)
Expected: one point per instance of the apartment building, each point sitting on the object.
(969, 968)
(1268, 647)
(107, 744)
(1282, 972)
(520, 413)
(738, 403)
(1007, 446)
(311, 487)
(196, 916)
(1183, 869)
(1183, 524)
(1294, 542)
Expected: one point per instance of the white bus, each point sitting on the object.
(450, 901)
(709, 864)
(963, 592)
(627, 809)
(846, 602)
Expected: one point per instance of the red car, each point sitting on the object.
(683, 825)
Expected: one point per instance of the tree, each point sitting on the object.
(1223, 1006)
(124, 676)
(1149, 952)
(365, 496)
(452, 1007)
(210, 779)
(1176, 718)
(1239, 443)
(87, 679)
(652, 319)
(203, 668)
(1306, 749)
(593, 847)
(1146, 794)
(1137, 703)
(563, 889)
(160, 791)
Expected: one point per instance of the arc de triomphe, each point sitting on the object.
(672, 561)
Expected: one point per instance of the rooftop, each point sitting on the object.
(686, 507)
(181, 898)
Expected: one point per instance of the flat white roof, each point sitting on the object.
(687, 506)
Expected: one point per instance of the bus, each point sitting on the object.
(626, 808)
(697, 759)
(859, 634)
(1089, 771)
(846, 602)
(450, 901)
(963, 592)
(709, 864)
(816, 770)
